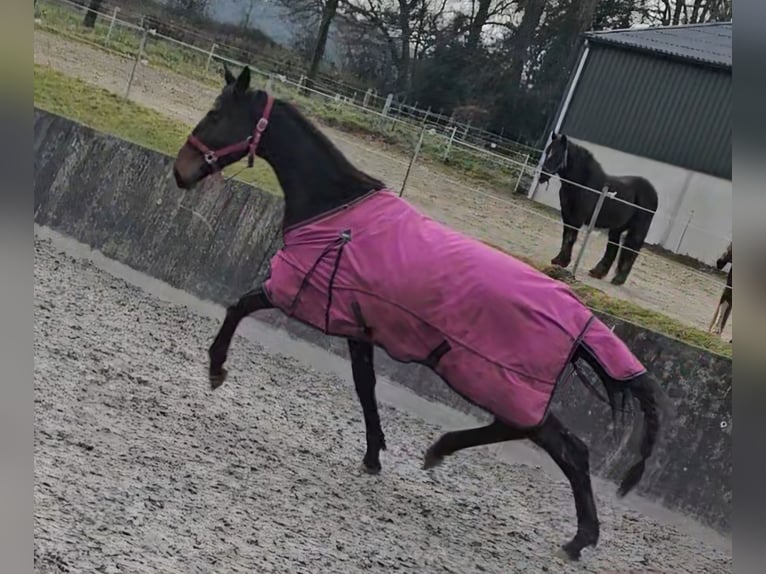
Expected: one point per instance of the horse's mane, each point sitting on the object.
(337, 159)
(587, 162)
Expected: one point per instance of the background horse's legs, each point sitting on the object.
(568, 239)
(715, 319)
(250, 302)
(454, 441)
(638, 228)
(568, 451)
(612, 247)
(571, 455)
(364, 380)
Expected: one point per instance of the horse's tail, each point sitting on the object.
(647, 392)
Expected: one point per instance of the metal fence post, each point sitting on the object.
(210, 57)
(387, 105)
(521, 174)
(683, 233)
(367, 95)
(449, 143)
(589, 230)
(111, 26)
(139, 55)
(412, 160)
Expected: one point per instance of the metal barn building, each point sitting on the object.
(656, 102)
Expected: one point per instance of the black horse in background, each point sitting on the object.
(577, 167)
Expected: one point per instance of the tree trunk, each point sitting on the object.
(477, 25)
(521, 42)
(680, 4)
(90, 16)
(328, 14)
(403, 68)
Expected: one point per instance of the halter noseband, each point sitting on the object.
(250, 144)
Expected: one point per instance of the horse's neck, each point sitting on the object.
(311, 184)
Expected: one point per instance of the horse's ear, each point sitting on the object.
(564, 139)
(227, 75)
(243, 81)
(554, 136)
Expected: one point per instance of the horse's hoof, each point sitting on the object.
(373, 469)
(218, 379)
(618, 280)
(563, 555)
(431, 460)
(597, 273)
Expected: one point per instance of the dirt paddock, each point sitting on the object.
(656, 283)
(140, 468)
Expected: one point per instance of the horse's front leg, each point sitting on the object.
(250, 302)
(568, 238)
(364, 381)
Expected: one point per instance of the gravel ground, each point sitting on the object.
(656, 283)
(140, 468)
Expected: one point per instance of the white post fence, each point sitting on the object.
(111, 26)
(449, 144)
(521, 174)
(210, 57)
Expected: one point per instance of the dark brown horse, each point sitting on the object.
(316, 178)
(723, 310)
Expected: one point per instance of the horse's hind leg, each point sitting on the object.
(715, 317)
(568, 451)
(723, 317)
(571, 455)
(250, 302)
(612, 247)
(638, 228)
(364, 381)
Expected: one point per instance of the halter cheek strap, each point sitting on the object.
(250, 144)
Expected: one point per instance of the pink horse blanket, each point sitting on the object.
(498, 331)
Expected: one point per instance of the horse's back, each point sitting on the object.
(634, 189)
(499, 331)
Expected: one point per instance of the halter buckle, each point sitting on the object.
(210, 157)
(262, 124)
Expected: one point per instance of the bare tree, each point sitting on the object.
(677, 12)
(482, 11)
(406, 25)
(193, 8)
(247, 12)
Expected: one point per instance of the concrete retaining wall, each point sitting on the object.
(216, 242)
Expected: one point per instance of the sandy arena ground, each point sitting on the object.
(656, 283)
(140, 468)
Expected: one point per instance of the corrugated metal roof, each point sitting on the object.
(659, 108)
(703, 43)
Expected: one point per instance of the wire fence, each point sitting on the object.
(416, 150)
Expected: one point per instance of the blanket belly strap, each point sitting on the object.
(344, 237)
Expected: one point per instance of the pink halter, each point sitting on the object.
(250, 144)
